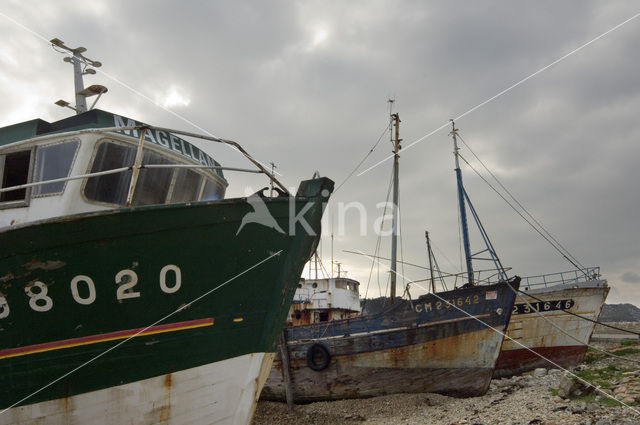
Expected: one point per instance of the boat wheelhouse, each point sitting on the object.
(62, 153)
(323, 300)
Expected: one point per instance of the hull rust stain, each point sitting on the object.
(430, 350)
(537, 331)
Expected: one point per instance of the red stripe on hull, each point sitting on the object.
(515, 362)
(106, 336)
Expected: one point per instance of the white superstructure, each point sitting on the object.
(322, 300)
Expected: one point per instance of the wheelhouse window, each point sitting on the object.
(154, 185)
(186, 186)
(14, 169)
(110, 188)
(212, 191)
(53, 162)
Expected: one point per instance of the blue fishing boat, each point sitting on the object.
(444, 342)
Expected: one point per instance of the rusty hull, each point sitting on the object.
(428, 347)
(536, 342)
(424, 367)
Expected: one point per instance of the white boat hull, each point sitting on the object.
(224, 392)
(557, 335)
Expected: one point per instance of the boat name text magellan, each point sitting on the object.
(543, 306)
(439, 305)
(40, 301)
(166, 140)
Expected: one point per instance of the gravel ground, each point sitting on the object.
(519, 400)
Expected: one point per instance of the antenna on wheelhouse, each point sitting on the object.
(81, 67)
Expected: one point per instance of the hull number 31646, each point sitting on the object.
(83, 289)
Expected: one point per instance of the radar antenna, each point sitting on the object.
(81, 66)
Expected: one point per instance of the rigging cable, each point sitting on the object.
(558, 246)
(376, 251)
(541, 315)
(581, 268)
(361, 161)
(404, 281)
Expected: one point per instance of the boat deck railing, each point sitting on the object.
(562, 278)
(302, 295)
(135, 168)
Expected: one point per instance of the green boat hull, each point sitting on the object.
(99, 300)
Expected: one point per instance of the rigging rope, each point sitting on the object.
(554, 243)
(558, 246)
(581, 268)
(378, 243)
(362, 161)
(404, 281)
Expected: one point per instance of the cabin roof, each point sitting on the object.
(97, 118)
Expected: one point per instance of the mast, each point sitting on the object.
(433, 283)
(81, 66)
(395, 121)
(463, 210)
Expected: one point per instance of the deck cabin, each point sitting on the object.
(72, 166)
(324, 300)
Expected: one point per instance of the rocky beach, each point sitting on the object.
(544, 396)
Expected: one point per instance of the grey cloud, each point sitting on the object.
(631, 277)
(565, 142)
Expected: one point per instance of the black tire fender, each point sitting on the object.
(318, 357)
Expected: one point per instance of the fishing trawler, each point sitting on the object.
(552, 321)
(131, 290)
(442, 342)
(554, 314)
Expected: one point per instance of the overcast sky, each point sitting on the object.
(305, 84)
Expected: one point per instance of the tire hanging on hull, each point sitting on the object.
(318, 357)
